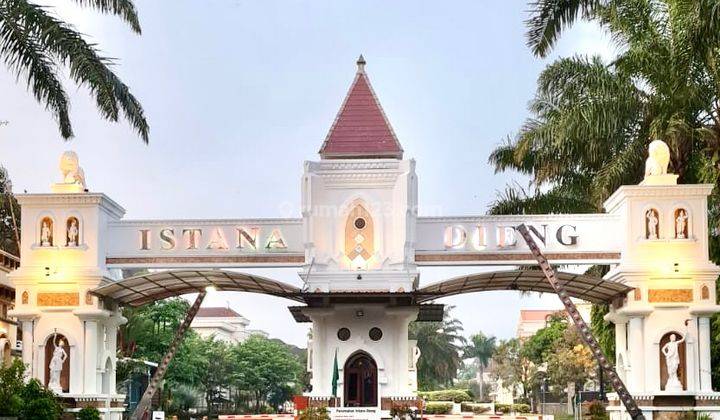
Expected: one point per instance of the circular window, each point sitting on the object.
(360, 223)
(343, 334)
(375, 334)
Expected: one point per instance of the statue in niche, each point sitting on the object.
(681, 224)
(72, 232)
(46, 233)
(652, 221)
(56, 365)
(72, 173)
(658, 158)
(672, 361)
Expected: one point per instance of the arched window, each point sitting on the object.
(72, 232)
(652, 224)
(359, 236)
(46, 232)
(681, 218)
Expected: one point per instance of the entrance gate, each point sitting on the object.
(359, 244)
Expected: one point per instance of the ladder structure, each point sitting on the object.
(627, 399)
(143, 406)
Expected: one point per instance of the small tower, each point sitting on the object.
(662, 328)
(359, 208)
(69, 335)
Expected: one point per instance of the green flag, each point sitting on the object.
(336, 376)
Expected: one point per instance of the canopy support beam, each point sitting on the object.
(627, 399)
(144, 405)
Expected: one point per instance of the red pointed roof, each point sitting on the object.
(361, 130)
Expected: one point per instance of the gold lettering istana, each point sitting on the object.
(275, 241)
(144, 239)
(247, 237)
(167, 237)
(217, 240)
(192, 238)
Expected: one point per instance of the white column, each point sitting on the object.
(636, 349)
(704, 350)
(90, 351)
(27, 350)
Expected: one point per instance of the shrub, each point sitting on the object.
(88, 413)
(474, 408)
(454, 395)
(39, 403)
(314, 413)
(507, 408)
(596, 410)
(438, 408)
(704, 416)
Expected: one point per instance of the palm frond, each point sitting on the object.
(24, 54)
(87, 67)
(124, 9)
(549, 17)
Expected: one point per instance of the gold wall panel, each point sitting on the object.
(670, 295)
(58, 299)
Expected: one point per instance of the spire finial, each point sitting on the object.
(361, 64)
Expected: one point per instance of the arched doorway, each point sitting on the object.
(360, 381)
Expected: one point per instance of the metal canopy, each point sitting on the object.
(146, 288)
(591, 289)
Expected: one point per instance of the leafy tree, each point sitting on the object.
(512, 366)
(9, 216)
(481, 348)
(215, 378)
(440, 344)
(11, 385)
(264, 368)
(28, 401)
(39, 403)
(603, 331)
(38, 47)
(571, 361)
(545, 340)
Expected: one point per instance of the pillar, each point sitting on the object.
(28, 344)
(90, 358)
(704, 344)
(636, 347)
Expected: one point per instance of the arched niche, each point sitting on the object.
(50, 343)
(682, 367)
(46, 227)
(359, 236)
(72, 232)
(25, 297)
(5, 351)
(652, 224)
(107, 376)
(705, 292)
(681, 221)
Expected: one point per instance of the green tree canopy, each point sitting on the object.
(265, 368)
(9, 216)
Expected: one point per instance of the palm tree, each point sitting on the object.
(440, 344)
(481, 349)
(36, 46)
(591, 121)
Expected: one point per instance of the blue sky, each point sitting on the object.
(240, 93)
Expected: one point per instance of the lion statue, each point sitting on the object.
(71, 171)
(658, 158)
